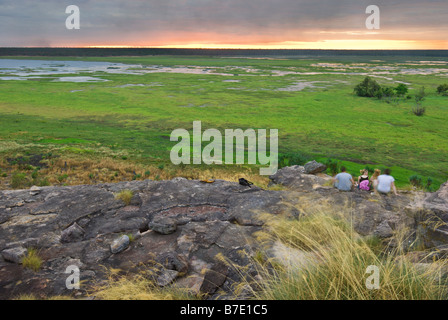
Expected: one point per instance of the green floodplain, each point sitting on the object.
(132, 110)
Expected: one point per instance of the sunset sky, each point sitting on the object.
(301, 24)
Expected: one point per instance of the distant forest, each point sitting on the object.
(107, 52)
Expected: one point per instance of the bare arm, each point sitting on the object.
(394, 188)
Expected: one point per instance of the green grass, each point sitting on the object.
(327, 122)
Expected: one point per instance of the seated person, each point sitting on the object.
(363, 180)
(343, 181)
(386, 183)
(374, 178)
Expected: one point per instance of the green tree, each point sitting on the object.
(443, 89)
(368, 88)
(401, 89)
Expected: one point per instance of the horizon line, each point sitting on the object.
(200, 48)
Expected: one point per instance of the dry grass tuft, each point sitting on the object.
(125, 196)
(320, 257)
(137, 287)
(32, 260)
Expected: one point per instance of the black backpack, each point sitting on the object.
(244, 182)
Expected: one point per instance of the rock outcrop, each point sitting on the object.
(431, 210)
(185, 228)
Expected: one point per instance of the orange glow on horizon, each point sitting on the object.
(324, 45)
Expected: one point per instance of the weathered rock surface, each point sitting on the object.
(314, 167)
(296, 178)
(431, 211)
(163, 225)
(87, 227)
(14, 254)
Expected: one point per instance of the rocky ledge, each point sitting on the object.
(184, 227)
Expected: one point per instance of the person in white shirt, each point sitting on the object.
(386, 183)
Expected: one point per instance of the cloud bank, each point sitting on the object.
(224, 22)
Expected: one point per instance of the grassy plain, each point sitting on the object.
(127, 120)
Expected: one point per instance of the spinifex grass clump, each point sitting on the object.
(137, 287)
(125, 196)
(338, 270)
(32, 260)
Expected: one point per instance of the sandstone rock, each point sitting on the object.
(383, 230)
(14, 254)
(77, 225)
(438, 202)
(136, 200)
(295, 179)
(173, 261)
(163, 225)
(72, 234)
(431, 214)
(214, 278)
(120, 244)
(166, 277)
(314, 167)
(191, 284)
(34, 190)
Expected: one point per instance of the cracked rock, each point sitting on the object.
(14, 254)
(73, 233)
(163, 225)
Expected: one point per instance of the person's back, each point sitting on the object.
(386, 183)
(344, 181)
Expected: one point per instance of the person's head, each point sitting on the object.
(343, 169)
(364, 172)
(376, 173)
(387, 171)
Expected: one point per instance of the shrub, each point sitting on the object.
(401, 89)
(428, 185)
(419, 110)
(35, 174)
(43, 182)
(368, 88)
(20, 181)
(332, 166)
(125, 196)
(415, 180)
(292, 159)
(420, 95)
(62, 177)
(443, 89)
(386, 92)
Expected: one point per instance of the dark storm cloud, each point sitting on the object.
(31, 23)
